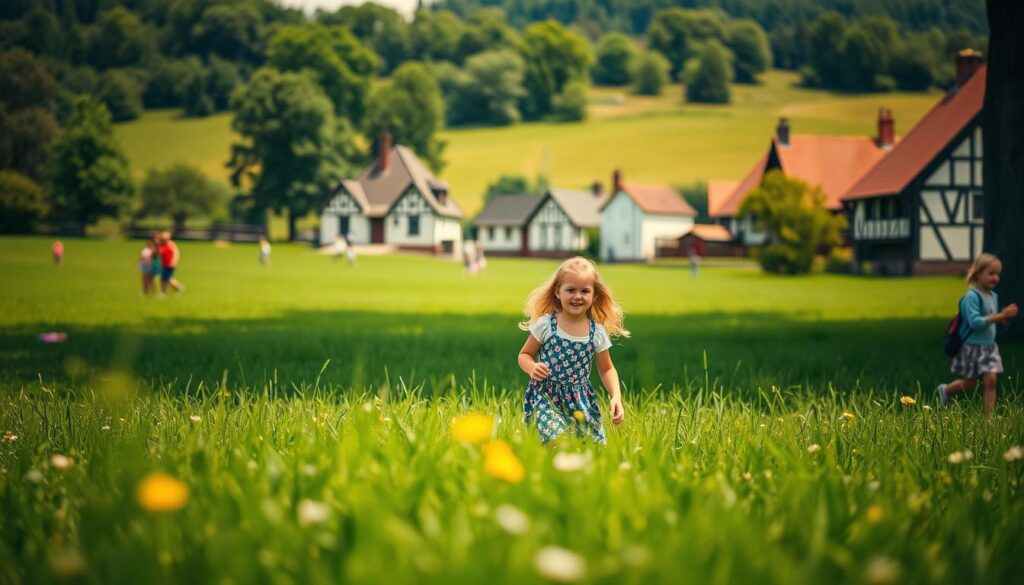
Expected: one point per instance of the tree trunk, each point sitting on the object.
(292, 218)
(1003, 128)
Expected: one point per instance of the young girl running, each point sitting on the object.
(979, 354)
(570, 319)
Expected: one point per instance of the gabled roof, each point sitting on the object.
(834, 163)
(928, 138)
(655, 199)
(710, 233)
(731, 205)
(508, 210)
(718, 193)
(582, 207)
(382, 189)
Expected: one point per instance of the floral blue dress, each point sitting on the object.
(554, 402)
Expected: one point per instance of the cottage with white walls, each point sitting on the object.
(920, 210)
(396, 201)
(635, 216)
(501, 225)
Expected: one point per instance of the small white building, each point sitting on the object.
(396, 201)
(555, 224)
(636, 216)
(501, 225)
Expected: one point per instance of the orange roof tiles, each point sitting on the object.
(731, 206)
(933, 133)
(718, 192)
(657, 199)
(711, 233)
(833, 163)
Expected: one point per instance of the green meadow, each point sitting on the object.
(778, 430)
(653, 140)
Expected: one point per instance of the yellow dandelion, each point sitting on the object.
(160, 492)
(579, 416)
(501, 463)
(848, 416)
(875, 514)
(472, 428)
(907, 401)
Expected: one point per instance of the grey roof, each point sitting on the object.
(508, 210)
(381, 190)
(582, 207)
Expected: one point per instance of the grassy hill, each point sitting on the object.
(651, 139)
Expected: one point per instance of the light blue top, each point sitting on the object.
(975, 306)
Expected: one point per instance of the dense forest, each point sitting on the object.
(69, 68)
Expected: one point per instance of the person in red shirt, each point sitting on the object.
(168, 262)
(57, 249)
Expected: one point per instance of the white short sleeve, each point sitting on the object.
(541, 328)
(601, 339)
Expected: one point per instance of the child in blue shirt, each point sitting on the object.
(979, 354)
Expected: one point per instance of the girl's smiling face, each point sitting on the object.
(576, 294)
(989, 276)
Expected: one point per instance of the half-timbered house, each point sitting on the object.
(501, 225)
(396, 201)
(920, 209)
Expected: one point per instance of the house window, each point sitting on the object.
(490, 233)
(343, 225)
(543, 238)
(871, 209)
(414, 225)
(977, 206)
(558, 236)
(394, 219)
(508, 233)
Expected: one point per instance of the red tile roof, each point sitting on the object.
(711, 233)
(718, 193)
(731, 206)
(933, 133)
(834, 163)
(658, 199)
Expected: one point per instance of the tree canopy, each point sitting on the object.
(410, 105)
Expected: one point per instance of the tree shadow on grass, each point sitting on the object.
(746, 352)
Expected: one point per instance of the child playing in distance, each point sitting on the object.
(147, 256)
(979, 354)
(57, 250)
(264, 251)
(570, 319)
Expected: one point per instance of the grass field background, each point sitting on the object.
(653, 140)
(786, 456)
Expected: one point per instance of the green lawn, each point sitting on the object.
(653, 140)
(306, 406)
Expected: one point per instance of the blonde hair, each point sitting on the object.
(980, 263)
(604, 310)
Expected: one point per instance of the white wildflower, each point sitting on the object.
(813, 448)
(511, 519)
(34, 475)
(9, 437)
(105, 428)
(559, 564)
(311, 512)
(882, 570)
(570, 461)
(195, 418)
(1014, 453)
(60, 461)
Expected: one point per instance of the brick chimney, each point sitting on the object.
(616, 181)
(886, 129)
(782, 131)
(597, 189)
(383, 150)
(967, 62)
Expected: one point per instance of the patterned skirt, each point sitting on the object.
(556, 407)
(975, 360)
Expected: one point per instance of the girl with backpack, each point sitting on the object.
(978, 356)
